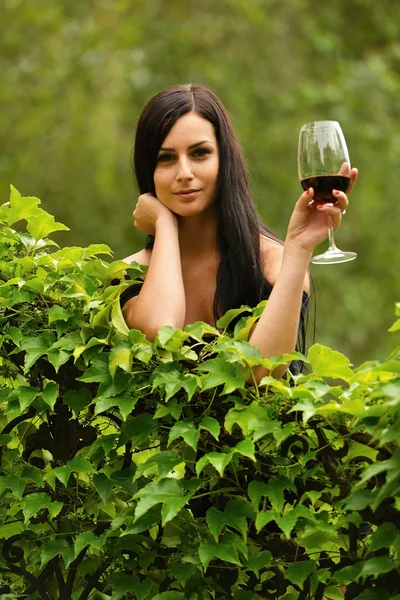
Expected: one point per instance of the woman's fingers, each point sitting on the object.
(353, 179)
(306, 198)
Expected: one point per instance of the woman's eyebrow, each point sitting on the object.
(189, 147)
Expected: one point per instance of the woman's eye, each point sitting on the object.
(165, 158)
(201, 152)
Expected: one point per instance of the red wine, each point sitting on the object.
(323, 186)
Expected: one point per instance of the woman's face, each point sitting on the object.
(186, 172)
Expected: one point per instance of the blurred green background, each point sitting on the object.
(74, 76)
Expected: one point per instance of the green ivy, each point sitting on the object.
(142, 470)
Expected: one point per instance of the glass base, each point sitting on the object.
(333, 256)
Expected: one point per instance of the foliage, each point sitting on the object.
(154, 471)
(74, 77)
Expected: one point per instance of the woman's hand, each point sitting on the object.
(149, 210)
(309, 222)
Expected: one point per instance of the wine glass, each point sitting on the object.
(324, 165)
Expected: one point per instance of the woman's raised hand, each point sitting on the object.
(308, 225)
(148, 211)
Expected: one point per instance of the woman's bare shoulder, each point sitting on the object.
(142, 257)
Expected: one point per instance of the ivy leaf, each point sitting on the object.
(165, 461)
(220, 372)
(103, 486)
(41, 224)
(117, 319)
(19, 207)
(137, 429)
(224, 321)
(122, 584)
(35, 347)
(54, 548)
(256, 490)
(377, 566)
(50, 394)
(265, 517)
(27, 396)
(187, 430)
(256, 562)
(172, 493)
(383, 537)
(121, 356)
(298, 572)
(210, 550)
(211, 425)
(63, 474)
(77, 399)
(58, 313)
(329, 363)
(88, 538)
(80, 465)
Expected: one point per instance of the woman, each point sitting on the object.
(208, 251)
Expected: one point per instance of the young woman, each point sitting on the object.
(207, 250)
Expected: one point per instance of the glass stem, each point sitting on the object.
(332, 245)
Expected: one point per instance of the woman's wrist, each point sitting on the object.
(166, 219)
(295, 252)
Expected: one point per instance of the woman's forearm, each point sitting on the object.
(276, 330)
(161, 300)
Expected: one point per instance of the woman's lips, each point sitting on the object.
(186, 194)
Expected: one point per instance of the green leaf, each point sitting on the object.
(383, 537)
(88, 538)
(297, 573)
(333, 593)
(35, 502)
(117, 319)
(165, 461)
(80, 465)
(50, 394)
(58, 313)
(211, 425)
(224, 321)
(41, 224)
(35, 347)
(5, 438)
(26, 396)
(377, 566)
(265, 517)
(77, 399)
(63, 474)
(329, 363)
(256, 490)
(121, 356)
(172, 493)
(103, 486)
(54, 548)
(235, 515)
(137, 429)
(122, 584)
(232, 376)
(18, 208)
(187, 430)
(210, 550)
(256, 562)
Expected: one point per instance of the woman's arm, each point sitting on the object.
(161, 300)
(276, 330)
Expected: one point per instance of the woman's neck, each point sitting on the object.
(198, 235)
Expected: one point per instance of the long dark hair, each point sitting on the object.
(240, 279)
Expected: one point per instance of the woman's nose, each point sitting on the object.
(184, 169)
